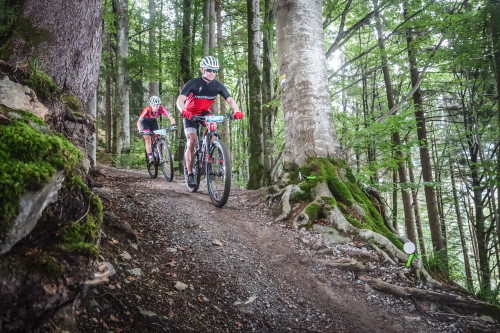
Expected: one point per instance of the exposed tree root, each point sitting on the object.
(336, 219)
(460, 304)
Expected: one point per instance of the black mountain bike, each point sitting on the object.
(211, 159)
(161, 154)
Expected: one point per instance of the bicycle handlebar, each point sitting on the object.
(212, 118)
(162, 131)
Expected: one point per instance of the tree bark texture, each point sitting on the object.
(185, 56)
(268, 111)
(123, 116)
(309, 130)
(64, 39)
(256, 160)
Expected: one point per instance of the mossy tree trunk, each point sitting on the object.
(62, 38)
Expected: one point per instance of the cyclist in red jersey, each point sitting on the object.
(148, 121)
(196, 97)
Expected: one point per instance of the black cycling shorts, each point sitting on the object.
(195, 123)
(150, 124)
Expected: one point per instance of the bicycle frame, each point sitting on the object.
(161, 153)
(217, 171)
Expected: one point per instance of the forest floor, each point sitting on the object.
(180, 265)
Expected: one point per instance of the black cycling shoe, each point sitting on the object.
(190, 180)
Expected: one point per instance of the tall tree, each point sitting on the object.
(256, 160)
(309, 130)
(154, 85)
(268, 110)
(122, 106)
(185, 55)
(409, 222)
(430, 195)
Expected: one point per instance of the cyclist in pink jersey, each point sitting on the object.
(196, 97)
(148, 121)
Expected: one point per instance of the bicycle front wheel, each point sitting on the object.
(167, 165)
(152, 167)
(218, 171)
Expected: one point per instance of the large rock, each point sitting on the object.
(18, 97)
(31, 207)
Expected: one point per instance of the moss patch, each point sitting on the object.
(81, 236)
(28, 159)
(346, 192)
(41, 83)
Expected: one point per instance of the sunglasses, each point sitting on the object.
(211, 70)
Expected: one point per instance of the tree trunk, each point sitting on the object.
(108, 95)
(309, 130)
(494, 9)
(154, 86)
(220, 54)
(123, 116)
(91, 109)
(416, 210)
(206, 27)
(255, 163)
(269, 111)
(64, 40)
(430, 195)
(409, 223)
(185, 56)
(465, 250)
(212, 29)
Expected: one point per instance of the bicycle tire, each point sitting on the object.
(152, 167)
(218, 173)
(167, 165)
(196, 172)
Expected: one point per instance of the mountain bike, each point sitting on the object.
(161, 154)
(211, 159)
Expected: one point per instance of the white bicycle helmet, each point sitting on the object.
(209, 62)
(155, 100)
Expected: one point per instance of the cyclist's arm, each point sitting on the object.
(181, 102)
(232, 104)
(168, 115)
(141, 118)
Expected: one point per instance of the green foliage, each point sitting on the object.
(435, 263)
(28, 158)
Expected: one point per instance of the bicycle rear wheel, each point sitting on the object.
(167, 165)
(152, 167)
(218, 170)
(196, 172)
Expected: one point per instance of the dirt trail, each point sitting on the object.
(184, 265)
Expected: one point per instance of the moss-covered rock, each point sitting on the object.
(28, 158)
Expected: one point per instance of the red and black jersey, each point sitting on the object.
(147, 112)
(201, 94)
